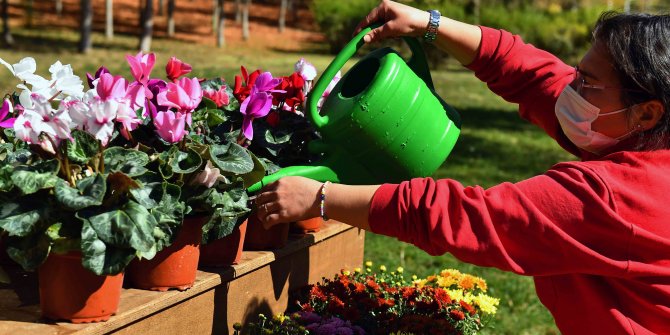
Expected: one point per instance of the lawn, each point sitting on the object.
(495, 145)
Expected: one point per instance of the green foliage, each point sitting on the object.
(337, 19)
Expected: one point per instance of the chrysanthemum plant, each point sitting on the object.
(112, 171)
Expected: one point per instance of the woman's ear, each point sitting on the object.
(648, 114)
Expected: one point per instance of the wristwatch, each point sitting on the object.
(433, 23)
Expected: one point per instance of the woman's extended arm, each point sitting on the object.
(298, 198)
(459, 39)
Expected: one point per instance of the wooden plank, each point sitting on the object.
(218, 298)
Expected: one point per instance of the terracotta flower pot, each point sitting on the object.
(224, 251)
(259, 238)
(307, 226)
(174, 267)
(68, 291)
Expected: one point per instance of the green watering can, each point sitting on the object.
(382, 122)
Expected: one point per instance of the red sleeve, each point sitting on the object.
(559, 222)
(523, 74)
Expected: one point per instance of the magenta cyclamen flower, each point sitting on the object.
(5, 111)
(90, 78)
(170, 126)
(257, 105)
(265, 82)
(141, 66)
(184, 95)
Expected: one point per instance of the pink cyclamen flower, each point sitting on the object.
(257, 105)
(111, 87)
(208, 177)
(306, 69)
(219, 97)
(175, 68)
(330, 87)
(170, 126)
(6, 110)
(41, 125)
(101, 122)
(184, 95)
(141, 66)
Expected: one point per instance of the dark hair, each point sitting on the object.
(639, 46)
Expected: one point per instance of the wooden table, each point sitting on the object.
(219, 298)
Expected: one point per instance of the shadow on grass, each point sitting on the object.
(34, 42)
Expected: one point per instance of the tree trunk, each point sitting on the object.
(170, 17)
(59, 8)
(238, 11)
(626, 6)
(245, 19)
(6, 35)
(86, 25)
(215, 15)
(29, 13)
(282, 15)
(220, 37)
(147, 23)
(109, 19)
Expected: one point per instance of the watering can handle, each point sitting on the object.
(417, 63)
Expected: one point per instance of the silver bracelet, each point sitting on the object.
(433, 24)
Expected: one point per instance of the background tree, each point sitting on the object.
(170, 17)
(283, 8)
(220, 37)
(6, 34)
(109, 19)
(245, 19)
(59, 7)
(85, 26)
(147, 25)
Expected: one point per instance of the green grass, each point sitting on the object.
(495, 145)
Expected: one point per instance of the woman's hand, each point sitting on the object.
(288, 199)
(398, 20)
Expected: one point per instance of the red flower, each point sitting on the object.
(372, 284)
(442, 297)
(293, 96)
(457, 315)
(219, 97)
(272, 119)
(471, 310)
(175, 68)
(359, 287)
(242, 89)
(408, 292)
(316, 292)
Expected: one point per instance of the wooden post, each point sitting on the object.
(161, 4)
(29, 13)
(6, 34)
(245, 19)
(220, 37)
(85, 26)
(170, 17)
(109, 19)
(282, 15)
(147, 23)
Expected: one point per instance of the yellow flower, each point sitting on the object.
(456, 294)
(368, 264)
(481, 283)
(414, 277)
(357, 270)
(382, 268)
(280, 318)
(400, 269)
(486, 304)
(346, 273)
(445, 282)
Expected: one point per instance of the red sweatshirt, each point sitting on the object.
(594, 234)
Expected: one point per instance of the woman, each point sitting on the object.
(595, 233)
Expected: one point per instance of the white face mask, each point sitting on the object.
(576, 115)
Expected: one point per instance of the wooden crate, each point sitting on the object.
(219, 298)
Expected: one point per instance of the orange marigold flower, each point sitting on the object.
(467, 282)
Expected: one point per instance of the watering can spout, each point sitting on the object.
(319, 173)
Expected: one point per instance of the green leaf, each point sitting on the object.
(276, 138)
(90, 191)
(30, 251)
(150, 192)
(6, 183)
(83, 148)
(130, 226)
(20, 218)
(231, 158)
(32, 178)
(128, 161)
(256, 174)
(218, 226)
(101, 258)
(169, 216)
(186, 162)
(215, 117)
(209, 103)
